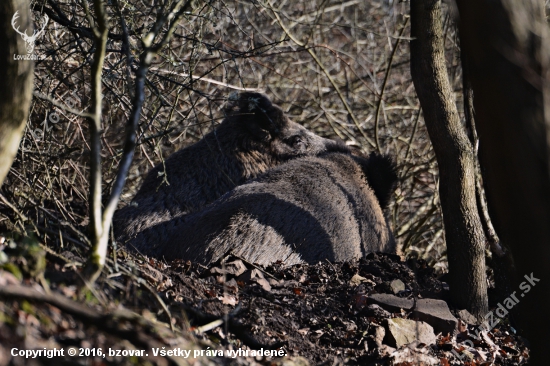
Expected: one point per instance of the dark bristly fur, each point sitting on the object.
(254, 137)
(382, 177)
(308, 209)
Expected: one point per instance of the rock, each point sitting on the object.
(391, 303)
(467, 317)
(437, 314)
(397, 286)
(376, 311)
(400, 332)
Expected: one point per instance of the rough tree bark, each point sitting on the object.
(17, 81)
(455, 157)
(510, 78)
(501, 260)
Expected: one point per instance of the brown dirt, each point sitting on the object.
(312, 312)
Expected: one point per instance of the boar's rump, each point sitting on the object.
(254, 136)
(308, 209)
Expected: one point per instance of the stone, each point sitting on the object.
(397, 286)
(467, 317)
(437, 314)
(400, 332)
(391, 303)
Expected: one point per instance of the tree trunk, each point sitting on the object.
(501, 259)
(509, 75)
(17, 81)
(455, 157)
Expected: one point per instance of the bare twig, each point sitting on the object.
(383, 87)
(325, 71)
(19, 213)
(131, 126)
(61, 106)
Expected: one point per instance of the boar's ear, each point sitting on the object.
(381, 175)
(256, 113)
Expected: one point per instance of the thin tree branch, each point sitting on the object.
(98, 234)
(325, 71)
(61, 106)
(139, 97)
(386, 77)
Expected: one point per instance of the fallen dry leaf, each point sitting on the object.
(228, 300)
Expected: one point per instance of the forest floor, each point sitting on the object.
(327, 313)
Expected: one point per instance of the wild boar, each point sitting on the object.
(254, 136)
(306, 210)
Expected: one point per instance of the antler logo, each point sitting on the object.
(29, 40)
